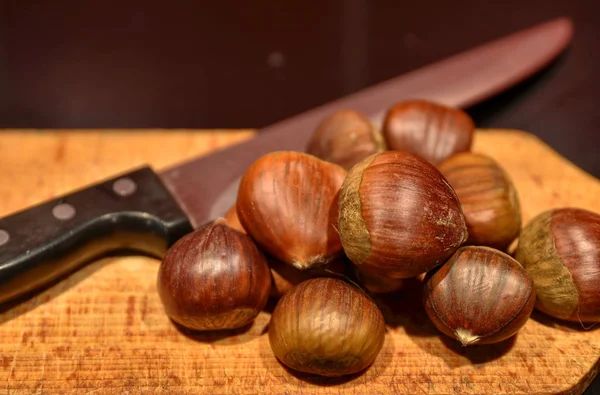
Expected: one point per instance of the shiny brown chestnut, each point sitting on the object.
(327, 327)
(232, 219)
(284, 277)
(286, 201)
(488, 198)
(214, 278)
(345, 138)
(480, 296)
(560, 249)
(379, 284)
(398, 216)
(428, 129)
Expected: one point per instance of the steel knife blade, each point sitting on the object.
(148, 211)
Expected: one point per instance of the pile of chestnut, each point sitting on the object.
(360, 212)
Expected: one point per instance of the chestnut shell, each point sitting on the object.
(398, 216)
(327, 327)
(286, 202)
(488, 199)
(481, 295)
(560, 249)
(379, 284)
(345, 138)
(430, 130)
(232, 219)
(213, 278)
(285, 277)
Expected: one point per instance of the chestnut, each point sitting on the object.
(327, 327)
(232, 219)
(480, 296)
(213, 278)
(345, 138)
(286, 202)
(379, 284)
(488, 198)
(285, 277)
(398, 216)
(560, 249)
(428, 129)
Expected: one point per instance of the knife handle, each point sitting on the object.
(41, 244)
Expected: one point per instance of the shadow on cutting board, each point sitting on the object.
(236, 336)
(321, 380)
(257, 328)
(405, 309)
(564, 326)
(474, 354)
(364, 377)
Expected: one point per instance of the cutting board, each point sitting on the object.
(103, 331)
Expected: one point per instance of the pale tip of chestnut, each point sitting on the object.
(465, 337)
(315, 261)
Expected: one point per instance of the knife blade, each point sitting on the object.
(148, 211)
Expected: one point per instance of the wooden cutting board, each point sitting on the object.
(103, 331)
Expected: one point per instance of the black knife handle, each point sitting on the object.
(132, 211)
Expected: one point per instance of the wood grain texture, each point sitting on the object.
(103, 330)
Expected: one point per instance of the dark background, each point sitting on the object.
(224, 64)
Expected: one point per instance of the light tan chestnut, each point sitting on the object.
(327, 327)
(488, 198)
(428, 129)
(480, 296)
(560, 249)
(287, 202)
(398, 216)
(345, 137)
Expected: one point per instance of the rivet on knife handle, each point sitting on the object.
(48, 241)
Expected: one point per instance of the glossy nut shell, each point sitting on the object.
(431, 130)
(213, 278)
(480, 296)
(560, 249)
(327, 327)
(488, 199)
(398, 216)
(345, 138)
(285, 277)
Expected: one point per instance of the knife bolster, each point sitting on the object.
(132, 211)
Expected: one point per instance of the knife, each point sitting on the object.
(148, 211)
